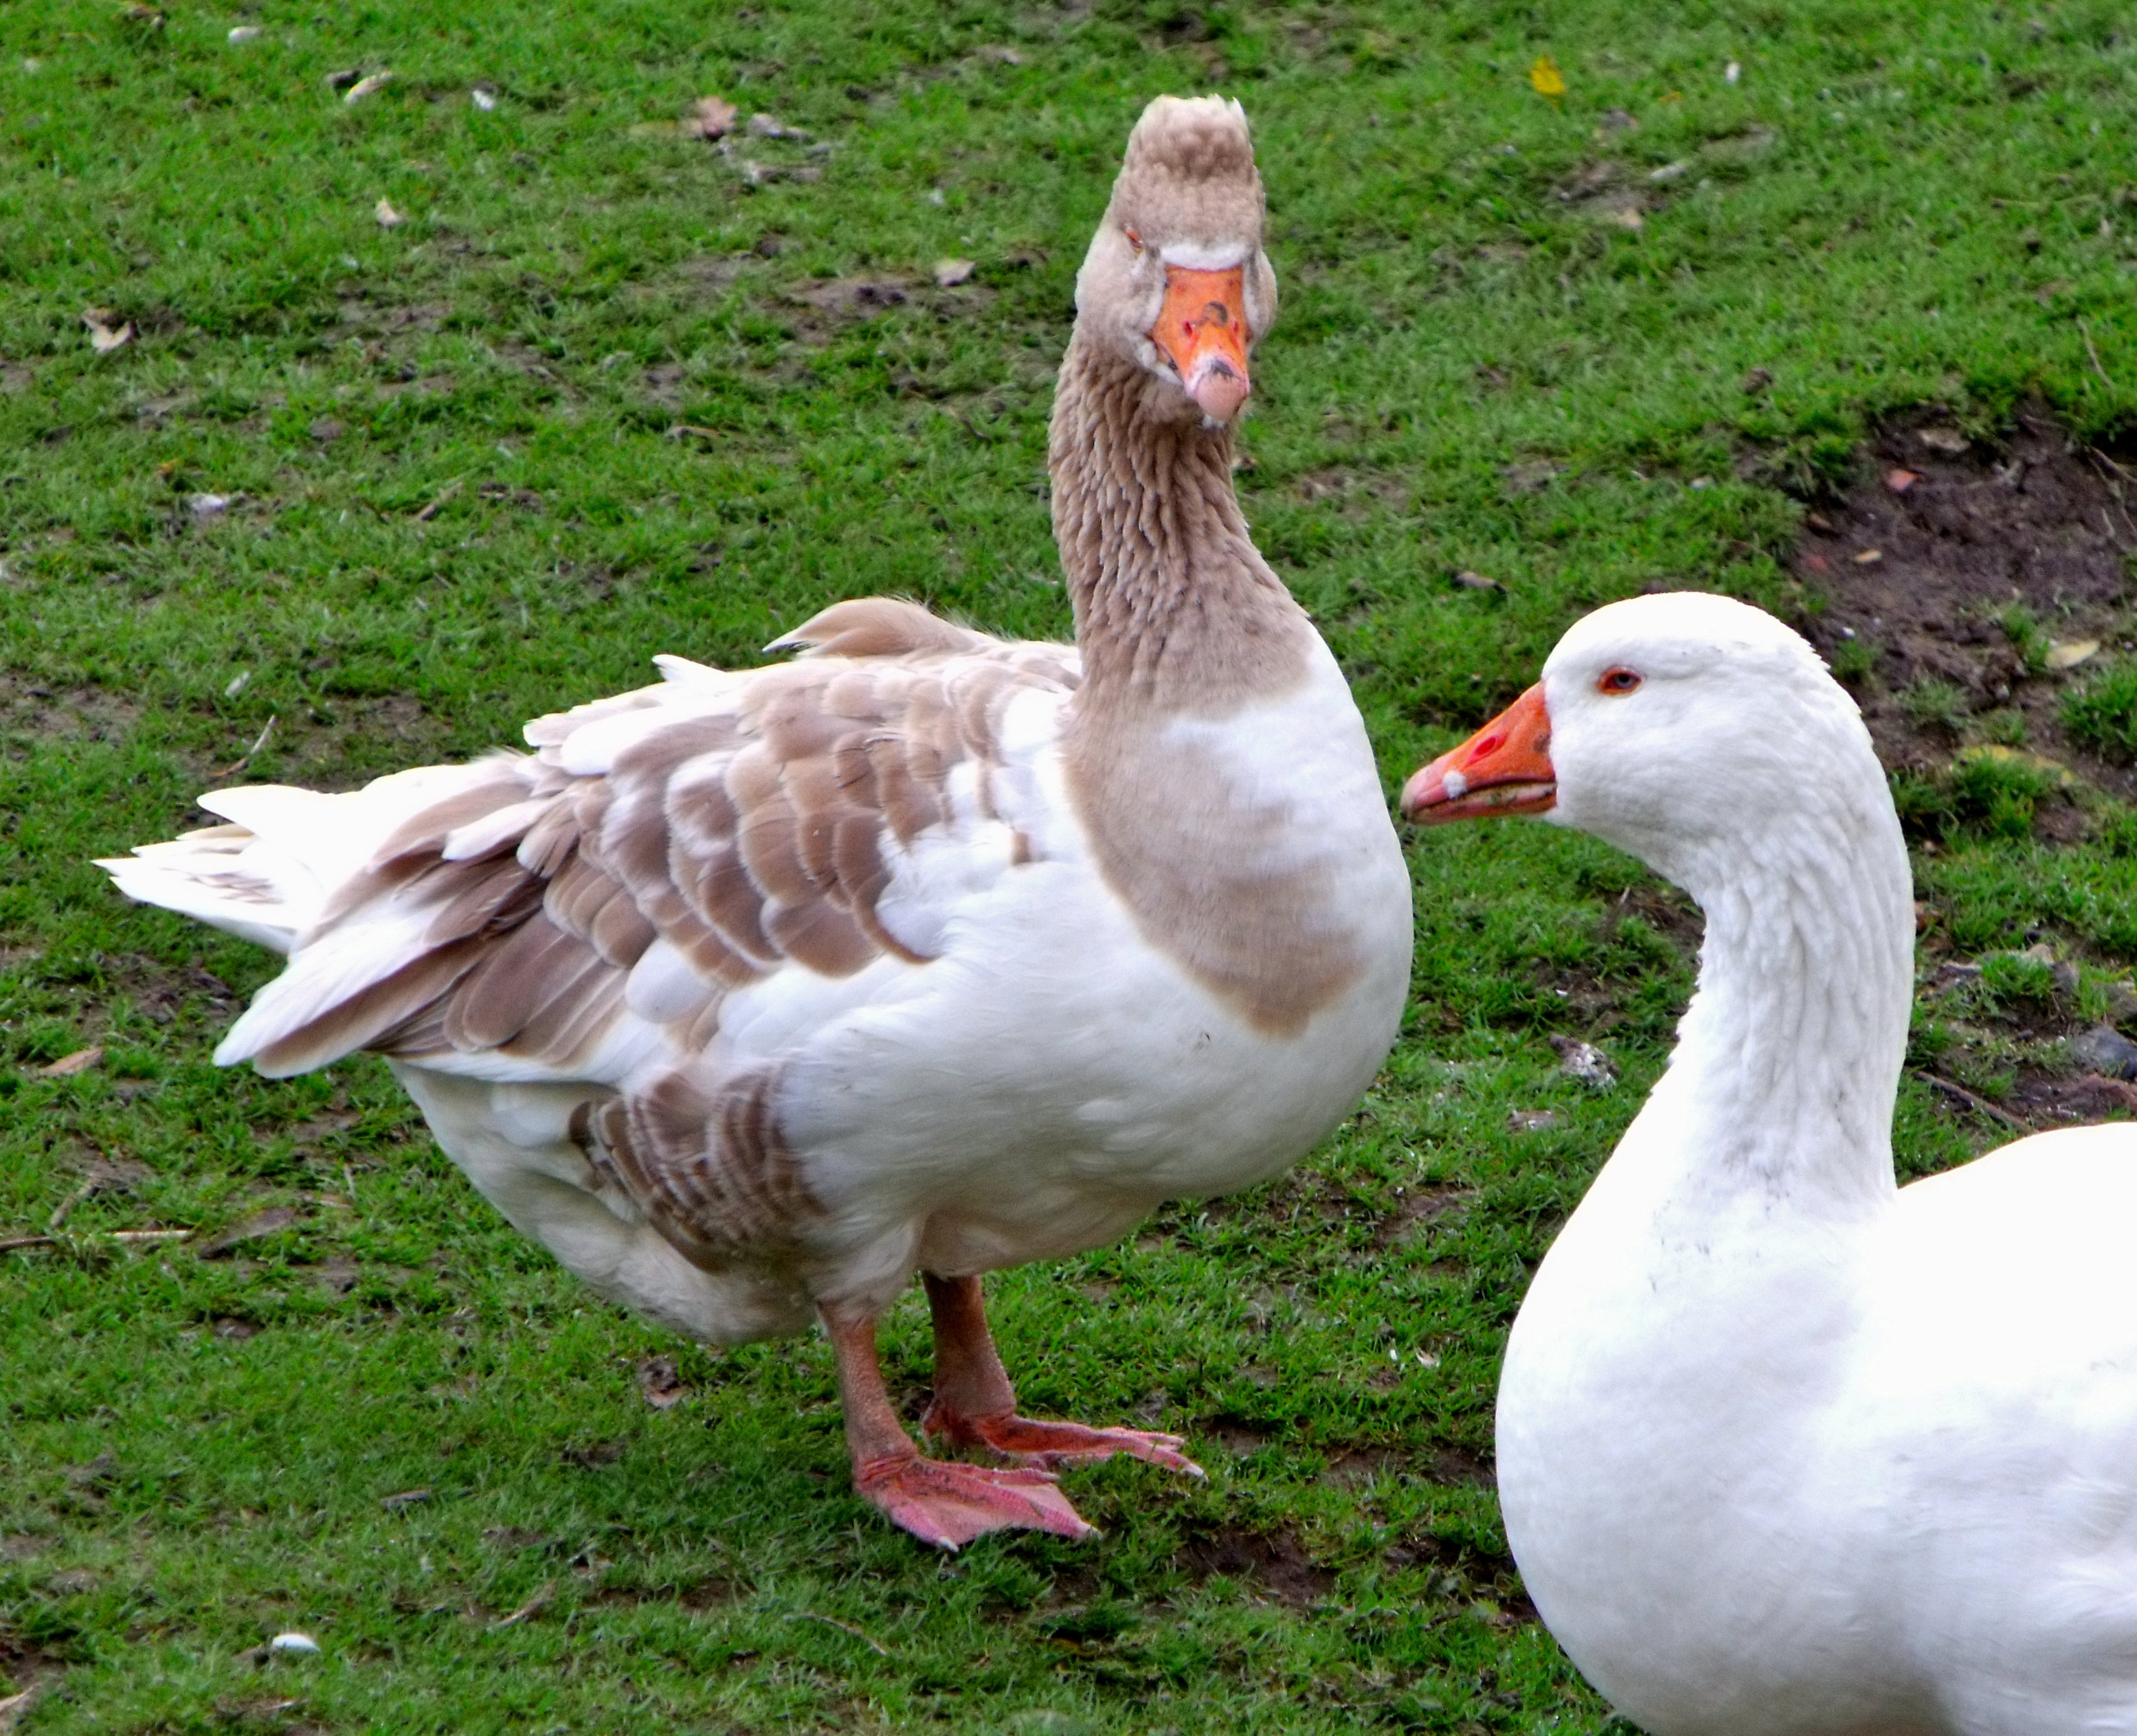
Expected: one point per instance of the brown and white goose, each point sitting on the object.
(751, 994)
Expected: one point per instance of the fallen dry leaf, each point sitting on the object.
(661, 1382)
(387, 216)
(1670, 171)
(406, 1498)
(484, 98)
(1732, 72)
(1586, 1062)
(2069, 653)
(1944, 440)
(1476, 581)
(67, 1066)
(949, 273)
(1995, 750)
(103, 337)
(1900, 481)
(1548, 79)
(537, 1601)
(1870, 558)
(1628, 216)
(243, 33)
(364, 87)
(713, 117)
(768, 126)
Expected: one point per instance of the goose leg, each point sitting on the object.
(944, 1504)
(975, 1406)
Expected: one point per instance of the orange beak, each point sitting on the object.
(1202, 327)
(1504, 768)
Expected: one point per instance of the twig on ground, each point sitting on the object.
(66, 1205)
(15, 1706)
(538, 1601)
(244, 759)
(2086, 332)
(444, 494)
(861, 1634)
(1971, 1101)
(12, 1242)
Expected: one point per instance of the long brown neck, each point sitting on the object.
(1175, 609)
(1177, 615)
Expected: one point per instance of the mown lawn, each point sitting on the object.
(609, 390)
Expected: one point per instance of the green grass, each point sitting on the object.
(2103, 713)
(459, 501)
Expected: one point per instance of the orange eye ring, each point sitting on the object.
(1617, 681)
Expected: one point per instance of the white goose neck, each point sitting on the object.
(1788, 1061)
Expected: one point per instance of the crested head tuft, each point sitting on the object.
(1193, 137)
(1189, 174)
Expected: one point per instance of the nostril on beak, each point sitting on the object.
(1219, 388)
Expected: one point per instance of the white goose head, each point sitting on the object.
(1176, 282)
(1693, 731)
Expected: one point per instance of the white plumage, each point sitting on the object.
(1785, 1449)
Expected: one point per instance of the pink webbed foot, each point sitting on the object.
(949, 1505)
(1054, 1444)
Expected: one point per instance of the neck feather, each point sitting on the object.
(1175, 609)
(1788, 1061)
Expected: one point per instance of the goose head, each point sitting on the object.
(1175, 283)
(1692, 731)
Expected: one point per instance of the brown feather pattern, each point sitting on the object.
(755, 839)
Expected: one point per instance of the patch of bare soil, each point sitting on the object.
(32, 1668)
(1242, 1437)
(1417, 1211)
(1965, 584)
(28, 707)
(1274, 1563)
(837, 304)
(2063, 1067)
(315, 752)
(699, 1594)
(1922, 562)
(363, 317)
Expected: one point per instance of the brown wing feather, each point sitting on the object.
(753, 840)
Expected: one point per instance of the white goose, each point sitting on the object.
(751, 994)
(1785, 1448)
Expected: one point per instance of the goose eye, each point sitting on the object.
(1135, 240)
(1620, 680)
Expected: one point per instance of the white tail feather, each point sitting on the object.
(266, 876)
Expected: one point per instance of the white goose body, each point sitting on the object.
(1785, 1448)
(751, 993)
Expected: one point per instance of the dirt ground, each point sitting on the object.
(1930, 545)
(2001, 570)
